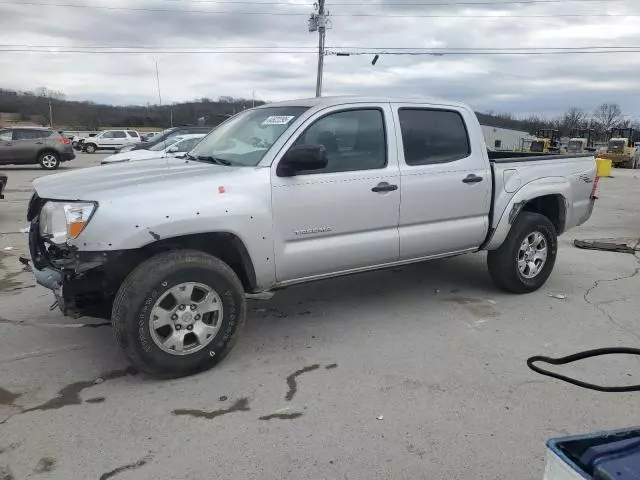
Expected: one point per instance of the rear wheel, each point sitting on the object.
(90, 148)
(179, 313)
(49, 160)
(525, 260)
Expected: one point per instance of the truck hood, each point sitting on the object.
(124, 179)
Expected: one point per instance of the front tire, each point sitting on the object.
(49, 160)
(90, 148)
(523, 263)
(179, 313)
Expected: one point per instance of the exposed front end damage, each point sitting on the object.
(83, 283)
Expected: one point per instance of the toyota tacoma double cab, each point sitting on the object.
(288, 193)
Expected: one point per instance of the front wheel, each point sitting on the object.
(178, 313)
(523, 263)
(90, 148)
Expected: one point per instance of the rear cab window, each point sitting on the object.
(431, 136)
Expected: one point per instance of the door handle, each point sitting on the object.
(384, 187)
(39, 143)
(471, 178)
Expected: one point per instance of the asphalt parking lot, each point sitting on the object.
(416, 372)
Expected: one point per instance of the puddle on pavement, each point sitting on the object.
(7, 283)
(241, 405)
(95, 400)
(46, 464)
(70, 395)
(282, 416)
(293, 384)
(7, 397)
(5, 473)
(129, 466)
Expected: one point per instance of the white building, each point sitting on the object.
(500, 138)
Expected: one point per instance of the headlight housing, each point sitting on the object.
(62, 221)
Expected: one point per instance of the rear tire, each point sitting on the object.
(517, 266)
(49, 160)
(177, 347)
(90, 148)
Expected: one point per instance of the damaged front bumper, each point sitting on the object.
(83, 283)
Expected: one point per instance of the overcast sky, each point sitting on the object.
(545, 84)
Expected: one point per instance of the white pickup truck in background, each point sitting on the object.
(288, 193)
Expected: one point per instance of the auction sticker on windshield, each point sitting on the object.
(278, 120)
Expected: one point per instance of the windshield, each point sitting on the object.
(616, 143)
(162, 145)
(246, 138)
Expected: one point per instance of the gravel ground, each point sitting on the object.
(415, 372)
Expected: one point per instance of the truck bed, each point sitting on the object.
(568, 178)
(508, 157)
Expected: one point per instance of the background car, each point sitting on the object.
(149, 136)
(3, 183)
(32, 145)
(110, 140)
(166, 134)
(172, 147)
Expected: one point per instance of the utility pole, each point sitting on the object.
(318, 22)
(158, 82)
(50, 115)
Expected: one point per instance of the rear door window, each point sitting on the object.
(433, 136)
(25, 134)
(119, 134)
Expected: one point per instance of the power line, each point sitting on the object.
(440, 54)
(302, 47)
(335, 52)
(385, 15)
(397, 4)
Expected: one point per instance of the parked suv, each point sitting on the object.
(168, 133)
(24, 146)
(110, 140)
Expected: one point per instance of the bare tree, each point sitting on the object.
(608, 115)
(574, 118)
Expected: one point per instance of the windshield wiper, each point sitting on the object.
(216, 160)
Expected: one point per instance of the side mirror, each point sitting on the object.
(301, 158)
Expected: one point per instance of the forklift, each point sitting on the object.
(547, 141)
(581, 140)
(621, 147)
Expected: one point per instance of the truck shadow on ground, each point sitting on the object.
(332, 302)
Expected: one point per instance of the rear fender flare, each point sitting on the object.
(528, 192)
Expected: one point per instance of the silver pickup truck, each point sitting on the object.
(288, 193)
